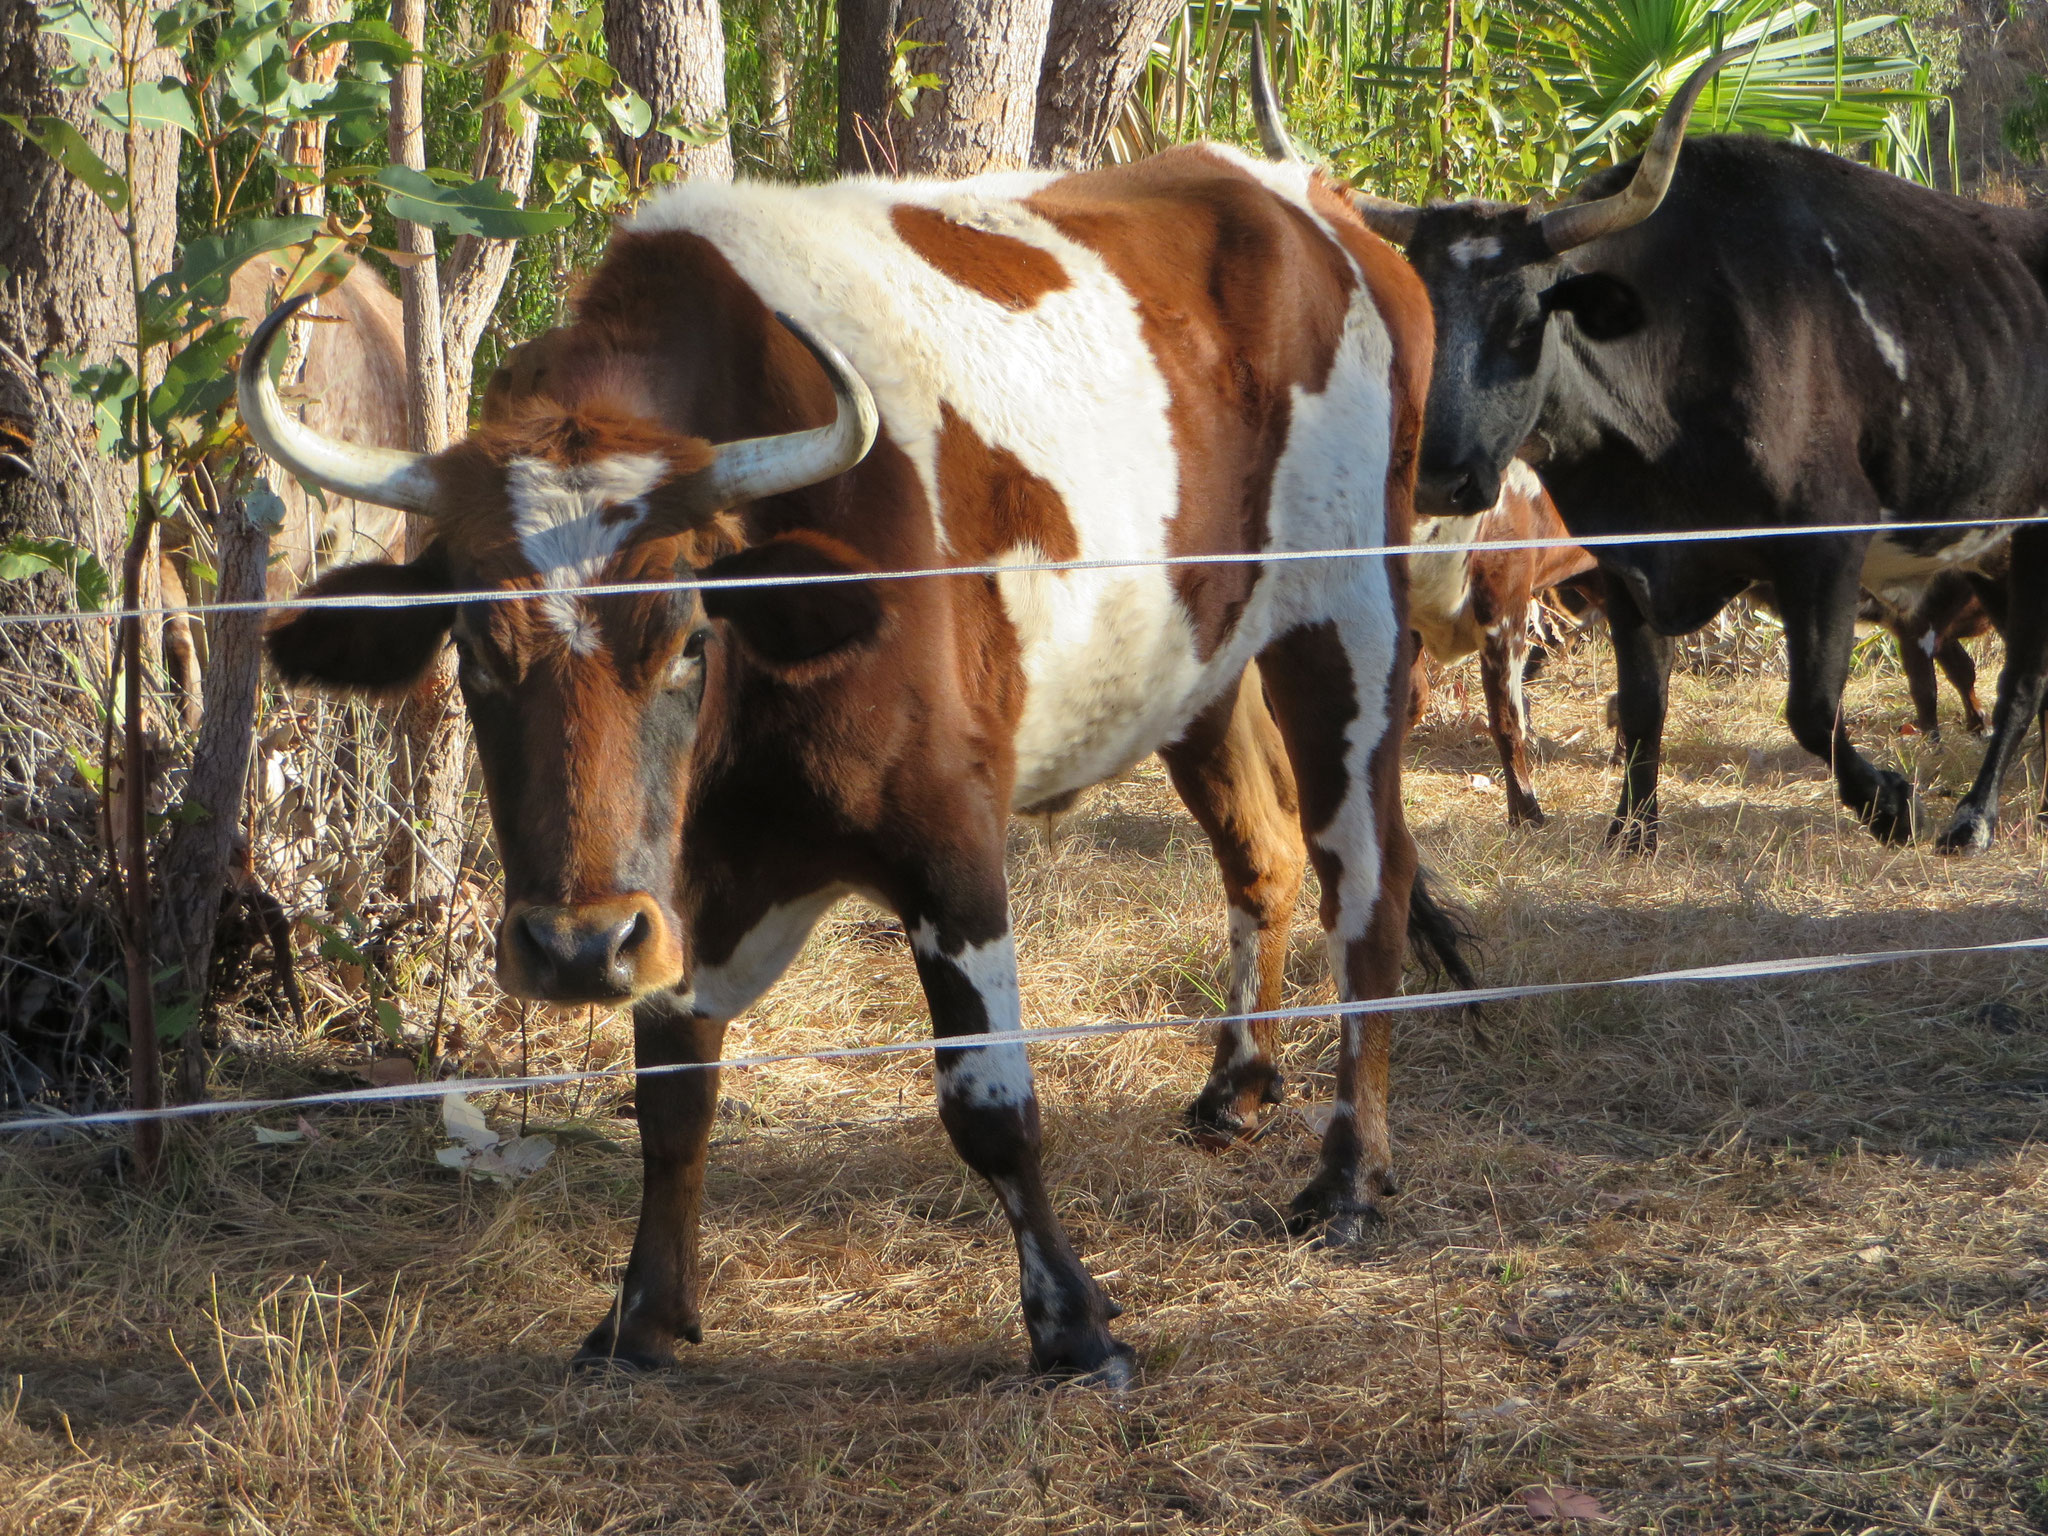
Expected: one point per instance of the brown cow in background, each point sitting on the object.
(1466, 599)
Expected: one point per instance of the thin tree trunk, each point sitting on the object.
(196, 863)
(1094, 52)
(776, 27)
(304, 144)
(673, 53)
(987, 53)
(867, 30)
(475, 273)
(428, 736)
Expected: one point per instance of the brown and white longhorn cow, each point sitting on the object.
(1196, 354)
(1465, 598)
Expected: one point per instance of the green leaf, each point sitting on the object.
(84, 33)
(199, 377)
(391, 1020)
(630, 111)
(480, 208)
(108, 387)
(22, 557)
(66, 145)
(158, 104)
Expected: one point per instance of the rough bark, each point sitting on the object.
(1094, 51)
(429, 738)
(475, 273)
(304, 144)
(673, 53)
(867, 28)
(66, 291)
(196, 864)
(987, 54)
(777, 28)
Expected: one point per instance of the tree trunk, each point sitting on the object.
(867, 29)
(66, 290)
(776, 27)
(428, 735)
(673, 53)
(195, 865)
(476, 270)
(1094, 52)
(987, 54)
(304, 144)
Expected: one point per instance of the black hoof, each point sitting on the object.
(1970, 832)
(1086, 1354)
(1222, 1114)
(632, 1348)
(1632, 835)
(1526, 816)
(1894, 814)
(1331, 1204)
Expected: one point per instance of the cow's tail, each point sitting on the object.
(1439, 933)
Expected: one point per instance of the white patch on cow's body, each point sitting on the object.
(1889, 563)
(998, 1075)
(1930, 642)
(570, 522)
(725, 990)
(1069, 386)
(1889, 346)
(1473, 248)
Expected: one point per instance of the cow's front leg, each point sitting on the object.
(1502, 661)
(657, 1302)
(1642, 668)
(989, 1107)
(1817, 600)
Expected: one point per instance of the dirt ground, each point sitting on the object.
(1764, 1257)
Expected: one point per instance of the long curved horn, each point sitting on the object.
(385, 477)
(1383, 216)
(1577, 223)
(1266, 106)
(756, 467)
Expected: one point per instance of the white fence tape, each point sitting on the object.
(1262, 557)
(1743, 970)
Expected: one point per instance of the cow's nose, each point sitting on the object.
(1458, 490)
(603, 952)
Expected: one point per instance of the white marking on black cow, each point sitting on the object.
(1888, 346)
(570, 523)
(1474, 248)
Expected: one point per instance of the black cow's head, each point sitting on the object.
(585, 703)
(1498, 278)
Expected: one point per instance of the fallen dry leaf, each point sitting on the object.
(1555, 1502)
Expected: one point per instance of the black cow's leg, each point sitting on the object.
(657, 1301)
(1960, 667)
(1232, 771)
(1817, 600)
(2019, 692)
(1642, 666)
(989, 1106)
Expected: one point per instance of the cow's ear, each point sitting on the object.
(1605, 307)
(795, 627)
(367, 650)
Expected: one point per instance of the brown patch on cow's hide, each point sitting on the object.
(992, 504)
(998, 267)
(1201, 258)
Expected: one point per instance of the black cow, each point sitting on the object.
(1794, 340)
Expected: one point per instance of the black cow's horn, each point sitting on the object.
(1577, 223)
(385, 477)
(1383, 216)
(755, 467)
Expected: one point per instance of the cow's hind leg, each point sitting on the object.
(967, 962)
(1337, 690)
(2020, 692)
(1231, 769)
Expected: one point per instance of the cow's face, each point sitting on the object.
(587, 703)
(1498, 293)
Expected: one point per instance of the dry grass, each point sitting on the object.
(1768, 1258)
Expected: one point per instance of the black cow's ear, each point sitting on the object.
(788, 627)
(1605, 307)
(367, 650)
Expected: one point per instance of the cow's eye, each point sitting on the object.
(475, 673)
(688, 667)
